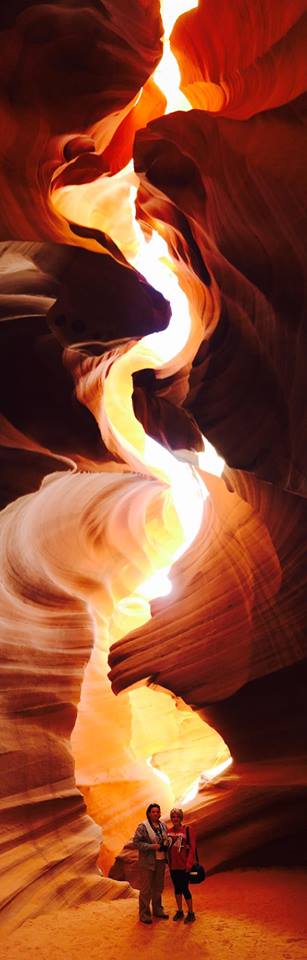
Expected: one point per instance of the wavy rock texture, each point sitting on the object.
(231, 199)
(70, 74)
(262, 67)
(66, 549)
(226, 185)
(77, 290)
(241, 203)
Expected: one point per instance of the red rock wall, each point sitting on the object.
(227, 184)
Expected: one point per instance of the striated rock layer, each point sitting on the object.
(231, 199)
(67, 549)
(71, 75)
(262, 67)
(226, 186)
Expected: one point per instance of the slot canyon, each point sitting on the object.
(153, 427)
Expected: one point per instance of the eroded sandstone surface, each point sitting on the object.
(83, 524)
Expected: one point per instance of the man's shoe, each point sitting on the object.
(145, 918)
(178, 915)
(190, 917)
(162, 915)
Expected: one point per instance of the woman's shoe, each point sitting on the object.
(189, 918)
(178, 915)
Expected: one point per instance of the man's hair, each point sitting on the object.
(151, 805)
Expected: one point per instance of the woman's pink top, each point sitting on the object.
(181, 855)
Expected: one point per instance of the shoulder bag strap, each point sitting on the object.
(188, 839)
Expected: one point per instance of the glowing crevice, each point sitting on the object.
(167, 73)
(181, 505)
(158, 773)
(207, 776)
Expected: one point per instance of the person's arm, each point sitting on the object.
(141, 841)
(169, 841)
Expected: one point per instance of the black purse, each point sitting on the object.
(197, 873)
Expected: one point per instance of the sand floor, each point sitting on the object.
(241, 915)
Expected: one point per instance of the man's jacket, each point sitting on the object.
(142, 841)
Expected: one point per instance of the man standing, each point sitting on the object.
(151, 840)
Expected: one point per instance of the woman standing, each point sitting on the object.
(181, 856)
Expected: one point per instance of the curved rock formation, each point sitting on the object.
(77, 292)
(225, 185)
(66, 549)
(71, 74)
(243, 213)
(262, 67)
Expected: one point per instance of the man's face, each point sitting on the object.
(155, 814)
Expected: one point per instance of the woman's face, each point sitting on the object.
(155, 814)
(176, 820)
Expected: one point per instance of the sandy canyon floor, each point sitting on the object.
(241, 915)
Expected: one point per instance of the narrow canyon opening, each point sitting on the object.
(144, 743)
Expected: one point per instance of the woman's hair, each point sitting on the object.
(151, 805)
(178, 811)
